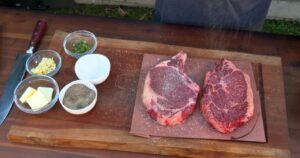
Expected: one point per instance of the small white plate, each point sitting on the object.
(93, 67)
(85, 109)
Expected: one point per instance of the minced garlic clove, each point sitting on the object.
(44, 67)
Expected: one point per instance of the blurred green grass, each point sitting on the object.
(139, 13)
(282, 27)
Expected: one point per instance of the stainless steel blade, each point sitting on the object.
(17, 74)
(18, 70)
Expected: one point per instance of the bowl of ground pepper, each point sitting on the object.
(80, 43)
(78, 97)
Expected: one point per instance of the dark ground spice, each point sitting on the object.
(78, 96)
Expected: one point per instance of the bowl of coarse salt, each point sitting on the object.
(93, 67)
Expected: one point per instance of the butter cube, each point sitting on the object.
(37, 101)
(47, 92)
(28, 92)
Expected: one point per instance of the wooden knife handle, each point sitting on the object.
(37, 34)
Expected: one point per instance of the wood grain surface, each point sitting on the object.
(110, 120)
(16, 27)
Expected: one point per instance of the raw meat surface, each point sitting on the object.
(227, 102)
(169, 95)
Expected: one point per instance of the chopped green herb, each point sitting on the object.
(81, 47)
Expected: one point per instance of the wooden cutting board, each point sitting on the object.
(107, 125)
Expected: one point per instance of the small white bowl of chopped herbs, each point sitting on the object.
(44, 62)
(78, 97)
(80, 43)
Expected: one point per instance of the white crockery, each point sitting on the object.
(85, 109)
(93, 67)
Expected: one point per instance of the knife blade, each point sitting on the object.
(19, 69)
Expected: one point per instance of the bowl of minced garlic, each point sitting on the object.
(44, 62)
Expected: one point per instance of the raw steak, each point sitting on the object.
(169, 95)
(227, 102)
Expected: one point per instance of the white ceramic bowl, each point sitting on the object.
(83, 110)
(93, 67)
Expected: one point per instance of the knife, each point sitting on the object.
(18, 71)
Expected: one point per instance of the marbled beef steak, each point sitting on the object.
(169, 95)
(227, 102)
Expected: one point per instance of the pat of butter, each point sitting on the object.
(28, 92)
(37, 101)
(47, 92)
